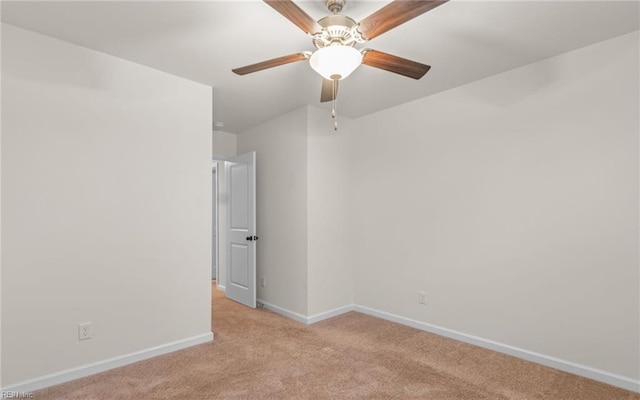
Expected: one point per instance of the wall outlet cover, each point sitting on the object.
(422, 297)
(84, 331)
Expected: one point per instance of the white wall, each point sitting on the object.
(330, 270)
(1, 385)
(106, 205)
(513, 202)
(281, 185)
(224, 145)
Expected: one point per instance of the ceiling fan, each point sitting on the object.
(335, 37)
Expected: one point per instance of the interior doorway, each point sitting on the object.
(234, 235)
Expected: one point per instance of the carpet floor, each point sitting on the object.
(257, 354)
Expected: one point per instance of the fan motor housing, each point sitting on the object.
(336, 29)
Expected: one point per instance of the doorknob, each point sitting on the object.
(249, 238)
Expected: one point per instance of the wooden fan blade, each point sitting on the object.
(327, 91)
(393, 14)
(295, 14)
(270, 63)
(391, 63)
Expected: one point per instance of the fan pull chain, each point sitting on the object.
(334, 113)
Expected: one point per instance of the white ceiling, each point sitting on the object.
(463, 41)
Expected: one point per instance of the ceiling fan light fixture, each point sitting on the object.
(335, 62)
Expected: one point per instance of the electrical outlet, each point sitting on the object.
(422, 297)
(263, 281)
(84, 331)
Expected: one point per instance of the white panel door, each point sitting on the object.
(241, 229)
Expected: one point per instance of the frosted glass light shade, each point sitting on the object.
(337, 61)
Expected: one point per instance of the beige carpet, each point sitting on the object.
(260, 355)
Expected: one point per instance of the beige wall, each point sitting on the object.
(330, 270)
(281, 185)
(106, 206)
(513, 202)
(224, 145)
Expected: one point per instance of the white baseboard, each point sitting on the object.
(329, 314)
(283, 311)
(301, 318)
(221, 288)
(102, 366)
(562, 365)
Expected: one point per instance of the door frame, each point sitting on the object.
(220, 162)
(215, 245)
